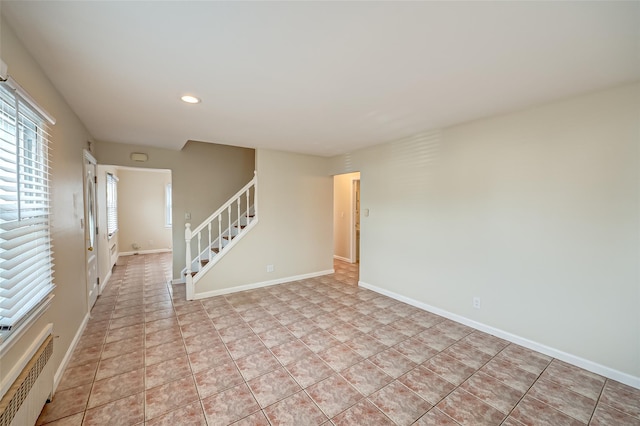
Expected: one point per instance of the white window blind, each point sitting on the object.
(167, 205)
(26, 266)
(112, 204)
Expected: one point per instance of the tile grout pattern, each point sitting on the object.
(316, 351)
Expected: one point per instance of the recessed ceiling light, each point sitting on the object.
(190, 99)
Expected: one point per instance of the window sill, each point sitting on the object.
(7, 340)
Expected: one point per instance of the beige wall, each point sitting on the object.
(294, 232)
(141, 210)
(343, 219)
(536, 213)
(204, 176)
(69, 137)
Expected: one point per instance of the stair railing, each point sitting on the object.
(215, 247)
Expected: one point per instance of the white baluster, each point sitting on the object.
(199, 250)
(219, 233)
(229, 223)
(188, 277)
(247, 221)
(255, 193)
(238, 222)
(210, 242)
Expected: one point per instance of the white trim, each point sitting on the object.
(261, 284)
(178, 281)
(67, 356)
(103, 285)
(24, 359)
(131, 253)
(343, 259)
(4, 69)
(353, 235)
(142, 169)
(32, 102)
(15, 335)
(586, 364)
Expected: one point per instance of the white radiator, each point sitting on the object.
(23, 402)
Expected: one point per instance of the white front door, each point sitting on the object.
(90, 228)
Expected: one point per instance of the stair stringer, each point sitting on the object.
(204, 269)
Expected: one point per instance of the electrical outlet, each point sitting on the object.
(476, 302)
(270, 268)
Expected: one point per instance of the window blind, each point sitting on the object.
(26, 265)
(167, 205)
(112, 204)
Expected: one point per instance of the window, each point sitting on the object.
(112, 204)
(167, 206)
(26, 267)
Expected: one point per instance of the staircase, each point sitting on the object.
(217, 234)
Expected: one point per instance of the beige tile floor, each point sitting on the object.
(307, 353)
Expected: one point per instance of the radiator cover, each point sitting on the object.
(19, 393)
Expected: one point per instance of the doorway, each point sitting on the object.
(346, 225)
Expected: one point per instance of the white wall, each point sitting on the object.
(294, 232)
(141, 210)
(536, 212)
(343, 219)
(69, 137)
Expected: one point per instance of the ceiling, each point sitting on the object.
(320, 78)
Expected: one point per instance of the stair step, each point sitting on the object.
(241, 226)
(215, 250)
(227, 237)
(204, 261)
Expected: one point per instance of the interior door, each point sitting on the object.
(90, 228)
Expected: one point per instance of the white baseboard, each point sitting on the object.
(131, 253)
(103, 285)
(586, 364)
(343, 259)
(67, 356)
(178, 281)
(261, 284)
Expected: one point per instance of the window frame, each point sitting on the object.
(112, 204)
(25, 218)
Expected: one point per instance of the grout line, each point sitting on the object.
(317, 291)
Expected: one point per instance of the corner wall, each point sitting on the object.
(535, 212)
(294, 231)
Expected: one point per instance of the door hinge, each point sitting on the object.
(96, 230)
(95, 179)
(98, 280)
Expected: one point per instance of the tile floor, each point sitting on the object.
(317, 351)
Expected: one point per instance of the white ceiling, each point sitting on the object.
(318, 77)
